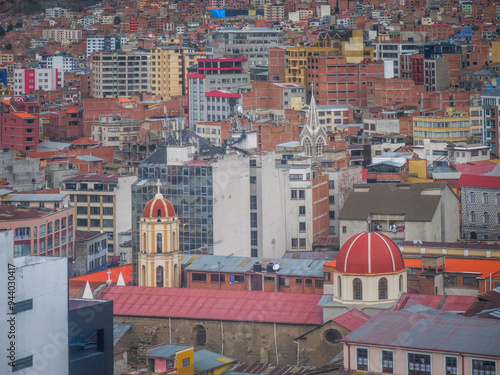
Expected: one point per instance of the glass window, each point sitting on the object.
(159, 243)
(387, 362)
(362, 359)
(357, 289)
(333, 336)
(382, 288)
(451, 365)
(302, 227)
(480, 367)
(419, 364)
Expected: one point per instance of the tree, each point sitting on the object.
(117, 20)
(8, 46)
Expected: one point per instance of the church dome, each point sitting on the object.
(369, 253)
(158, 207)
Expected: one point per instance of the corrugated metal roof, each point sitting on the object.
(34, 197)
(166, 351)
(234, 264)
(276, 307)
(352, 320)
(119, 330)
(205, 360)
(430, 330)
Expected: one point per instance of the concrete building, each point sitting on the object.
(116, 132)
(436, 74)
(28, 80)
(490, 101)
(55, 12)
(58, 35)
(40, 231)
(480, 196)
(120, 74)
(274, 97)
(103, 203)
(406, 346)
(64, 63)
(169, 68)
(459, 153)
(103, 43)
(253, 43)
(392, 210)
(453, 127)
(390, 51)
(213, 88)
(19, 128)
(91, 253)
(33, 297)
(21, 175)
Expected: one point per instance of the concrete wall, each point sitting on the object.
(21, 173)
(42, 331)
(245, 341)
(231, 192)
(123, 205)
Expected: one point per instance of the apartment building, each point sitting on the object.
(391, 51)
(96, 43)
(40, 231)
(61, 62)
(169, 68)
(253, 43)
(28, 80)
(490, 101)
(120, 74)
(115, 131)
(103, 203)
(213, 84)
(19, 124)
(58, 35)
(454, 127)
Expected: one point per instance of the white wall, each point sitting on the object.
(42, 331)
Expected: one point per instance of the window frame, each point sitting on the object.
(382, 360)
(417, 353)
(367, 358)
(445, 367)
(472, 359)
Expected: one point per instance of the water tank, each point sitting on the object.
(257, 267)
(269, 267)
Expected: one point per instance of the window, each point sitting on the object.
(362, 359)
(214, 278)
(357, 289)
(331, 199)
(107, 210)
(253, 179)
(186, 362)
(253, 219)
(387, 361)
(332, 215)
(293, 194)
(486, 217)
(159, 243)
(63, 223)
(472, 197)
(253, 238)
(159, 276)
(70, 221)
(81, 210)
(22, 363)
(302, 227)
(344, 229)
(253, 163)
(199, 277)
(451, 365)
(56, 225)
(472, 216)
(298, 281)
(302, 210)
(81, 198)
(469, 281)
(450, 280)
(339, 287)
(485, 198)
(317, 283)
(480, 367)
(25, 305)
(419, 364)
(49, 228)
(302, 194)
(253, 202)
(86, 344)
(95, 222)
(327, 276)
(382, 288)
(201, 335)
(22, 249)
(333, 336)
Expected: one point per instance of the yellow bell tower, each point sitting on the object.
(159, 257)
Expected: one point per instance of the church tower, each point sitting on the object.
(313, 136)
(159, 257)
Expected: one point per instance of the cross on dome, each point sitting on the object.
(158, 194)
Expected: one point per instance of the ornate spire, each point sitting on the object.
(312, 116)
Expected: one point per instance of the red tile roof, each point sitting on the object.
(216, 304)
(352, 320)
(102, 276)
(72, 110)
(84, 141)
(24, 115)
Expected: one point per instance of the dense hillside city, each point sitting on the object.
(236, 187)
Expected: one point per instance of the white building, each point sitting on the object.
(388, 51)
(55, 12)
(65, 63)
(29, 80)
(59, 35)
(36, 338)
(460, 153)
(103, 43)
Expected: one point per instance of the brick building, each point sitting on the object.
(19, 124)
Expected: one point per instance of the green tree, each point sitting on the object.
(8, 46)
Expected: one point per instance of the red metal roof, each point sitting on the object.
(479, 181)
(446, 303)
(216, 304)
(477, 168)
(352, 320)
(102, 276)
(84, 141)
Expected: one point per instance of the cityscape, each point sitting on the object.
(250, 187)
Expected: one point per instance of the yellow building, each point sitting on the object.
(453, 127)
(159, 256)
(495, 52)
(354, 49)
(169, 66)
(6, 58)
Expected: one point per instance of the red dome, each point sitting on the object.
(369, 253)
(158, 207)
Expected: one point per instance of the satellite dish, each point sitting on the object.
(415, 242)
(276, 267)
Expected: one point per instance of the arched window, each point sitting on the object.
(320, 143)
(144, 241)
(200, 335)
(400, 283)
(143, 276)
(473, 235)
(158, 213)
(357, 290)
(339, 287)
(382, 288)
(307, 146)
(159, 243)
(159, 276)
(333, 336)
